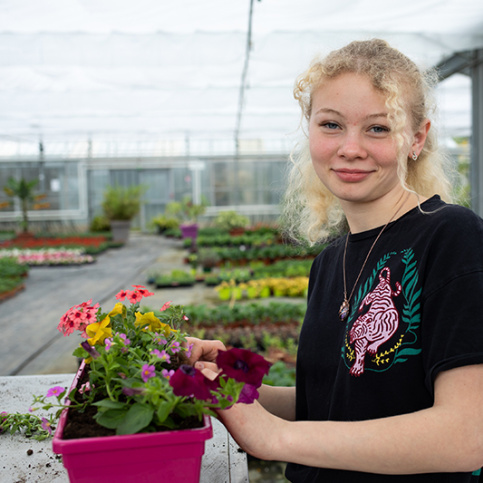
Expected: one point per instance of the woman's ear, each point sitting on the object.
(420, 138)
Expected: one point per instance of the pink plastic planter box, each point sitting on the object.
(170, 456)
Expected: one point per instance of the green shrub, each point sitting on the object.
(100, 223)
(280, 375)
(10, 268)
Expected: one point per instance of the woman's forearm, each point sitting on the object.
(279, 401)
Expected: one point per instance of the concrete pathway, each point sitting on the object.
(30, 341)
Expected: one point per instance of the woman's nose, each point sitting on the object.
(351, 147)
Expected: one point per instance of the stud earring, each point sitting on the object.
(414, 156)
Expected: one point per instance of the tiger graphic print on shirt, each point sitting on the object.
(379, 333)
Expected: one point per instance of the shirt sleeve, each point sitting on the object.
(452, 308)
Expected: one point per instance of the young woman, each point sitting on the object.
(389, 366)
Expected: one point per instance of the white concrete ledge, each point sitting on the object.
(27, 460)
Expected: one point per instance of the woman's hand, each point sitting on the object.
(204, 352)
(252, 427)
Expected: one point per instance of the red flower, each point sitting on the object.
(165, 306)
(188, 381)
(243, 365)
(122, 295)
(143, 290)
(133, 296)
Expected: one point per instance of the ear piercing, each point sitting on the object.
(414, 156)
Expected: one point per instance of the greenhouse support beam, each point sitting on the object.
(476, 172)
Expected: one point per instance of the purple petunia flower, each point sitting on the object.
(188, 350)
(190, 382)
(162, 355)
(248, 395)
(55, 391)
(175, 347)
(125, 339)
(130, 391)
(243, 365)
(160, 340)
(147, 372)
(167, 373)
(108, 343)
(90, 349)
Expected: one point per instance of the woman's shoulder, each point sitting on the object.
(449, 217)
(448, 229)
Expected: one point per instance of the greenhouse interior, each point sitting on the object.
(195, 98)
(144, 151)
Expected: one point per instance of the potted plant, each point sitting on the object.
(121, 204)
(135, 388)
(232, 222)
(188, 214)
(208, 259)
(24, 191)
(163, 223)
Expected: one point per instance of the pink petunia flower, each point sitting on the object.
(85, 388)
(55, 391)
(45, 425)
(147, 372)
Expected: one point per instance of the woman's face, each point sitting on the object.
(353, 151)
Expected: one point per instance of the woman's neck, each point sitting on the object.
(366, 216)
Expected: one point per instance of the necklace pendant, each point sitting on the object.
(344, 310)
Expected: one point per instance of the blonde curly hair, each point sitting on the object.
(310, 211)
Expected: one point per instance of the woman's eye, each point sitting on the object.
(379, 129)
(330, 125)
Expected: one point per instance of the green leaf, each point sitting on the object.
(408, 352)
(111, 418)
(80, 352)
(164, 410)
(138, 417)
(109, 403)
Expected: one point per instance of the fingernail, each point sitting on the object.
(200, 366)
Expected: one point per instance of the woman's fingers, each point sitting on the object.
(208, 369)
(204, 350)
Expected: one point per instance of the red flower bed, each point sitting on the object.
(37, 242)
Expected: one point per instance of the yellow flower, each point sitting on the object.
(150, 321)
(119, 308)
(99, 331)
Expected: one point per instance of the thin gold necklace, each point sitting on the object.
(345, 307)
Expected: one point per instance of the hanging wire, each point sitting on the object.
(241, 97)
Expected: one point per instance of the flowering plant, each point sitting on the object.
(48, 256)
(139, 379)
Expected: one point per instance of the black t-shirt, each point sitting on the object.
(416, 310)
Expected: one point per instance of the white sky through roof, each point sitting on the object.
(76, 68)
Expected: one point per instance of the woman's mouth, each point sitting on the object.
(352, 175)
